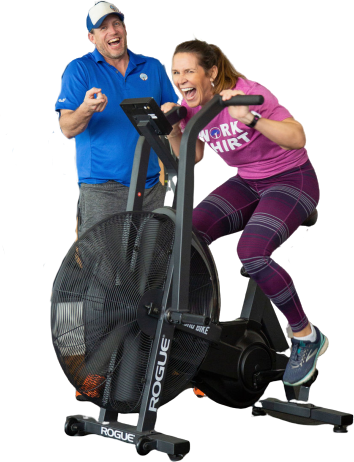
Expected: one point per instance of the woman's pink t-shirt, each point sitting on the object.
(246, 148)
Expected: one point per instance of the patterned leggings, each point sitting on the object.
(268, 211)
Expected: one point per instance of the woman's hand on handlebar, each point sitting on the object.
(168, 106)
(176, 130)
(241, 113)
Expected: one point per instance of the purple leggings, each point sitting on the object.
(268, 211)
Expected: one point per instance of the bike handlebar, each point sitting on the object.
(243, 100)
(183, 236)
(178, 113)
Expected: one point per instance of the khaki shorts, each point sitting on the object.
(100, 201)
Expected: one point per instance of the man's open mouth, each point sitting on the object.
(114, 43)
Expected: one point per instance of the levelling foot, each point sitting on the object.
(256, 411)
(340, 429)
(176, 456)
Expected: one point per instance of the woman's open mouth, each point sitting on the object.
(189, 93)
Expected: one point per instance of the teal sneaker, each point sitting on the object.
(303, 358)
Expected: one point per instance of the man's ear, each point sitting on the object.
(91, 38)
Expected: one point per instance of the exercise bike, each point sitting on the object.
(135, 309)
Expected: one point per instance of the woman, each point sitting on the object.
(273, 193)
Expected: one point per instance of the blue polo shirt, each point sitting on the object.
(105, 150)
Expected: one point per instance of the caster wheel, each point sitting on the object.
(71, 428)
(142, 446)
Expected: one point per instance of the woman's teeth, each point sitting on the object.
(189, 92)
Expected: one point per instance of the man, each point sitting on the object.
(92, 89)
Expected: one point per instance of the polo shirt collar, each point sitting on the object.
(134, 59)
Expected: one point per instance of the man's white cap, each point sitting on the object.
(99, 12)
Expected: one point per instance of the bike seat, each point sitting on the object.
(311, 219)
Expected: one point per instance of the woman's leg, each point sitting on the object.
(285, 202)
(226, 210)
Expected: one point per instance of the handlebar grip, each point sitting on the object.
(176, 114)
(243, 100)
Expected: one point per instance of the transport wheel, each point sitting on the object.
(176, 456)
(256, 411)
(70, 427)
(142, 446)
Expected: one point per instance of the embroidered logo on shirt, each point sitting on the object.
(215, 133)
(143, 76)
(62, 100)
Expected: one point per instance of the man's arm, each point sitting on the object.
(73, 123)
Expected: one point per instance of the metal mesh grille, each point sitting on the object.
(96, 294)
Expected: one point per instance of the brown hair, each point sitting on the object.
(208, 56)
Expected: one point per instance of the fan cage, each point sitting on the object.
(96, 295)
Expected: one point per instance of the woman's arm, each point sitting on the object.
(176, 135)
(175, 142)
(288, 134)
